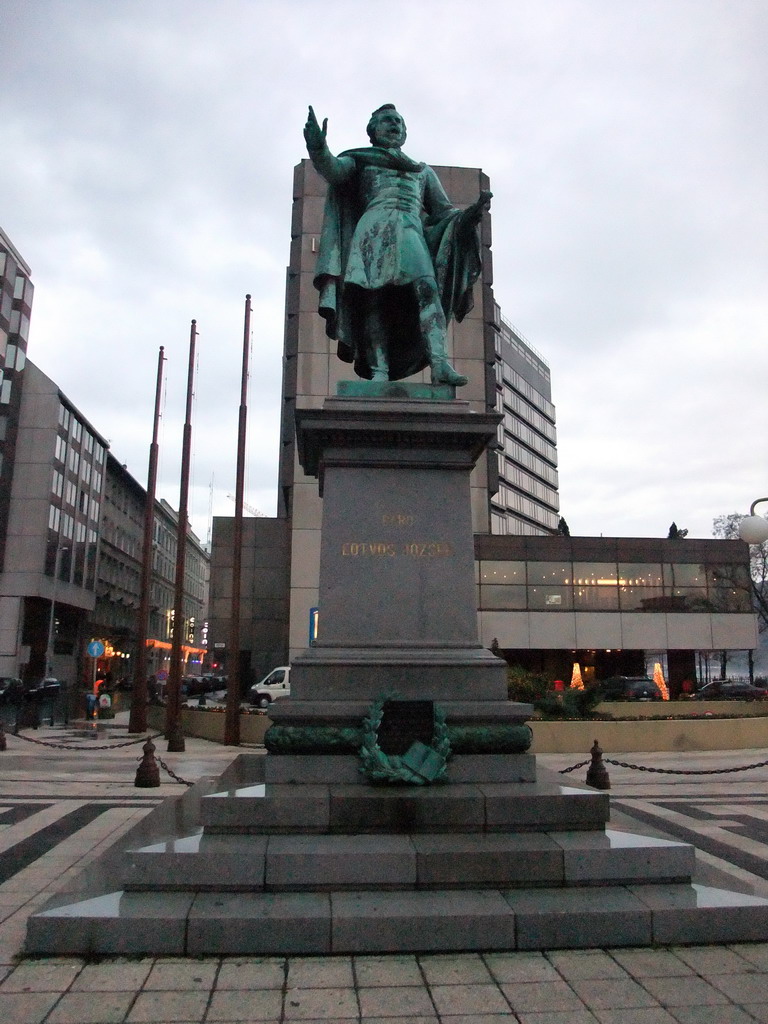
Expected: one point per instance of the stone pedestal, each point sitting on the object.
(397, 597)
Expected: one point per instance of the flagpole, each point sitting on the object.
(138, 717)
(173, 730)
(232, 719)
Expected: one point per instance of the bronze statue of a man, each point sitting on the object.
(396, 259)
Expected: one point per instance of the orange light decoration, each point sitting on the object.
(577, 683)
(658, 678)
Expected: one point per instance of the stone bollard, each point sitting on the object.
(597, 774)
(148, 773)
(3, 740)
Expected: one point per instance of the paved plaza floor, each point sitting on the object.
(61, 809)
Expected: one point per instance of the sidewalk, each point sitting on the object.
(61, 809)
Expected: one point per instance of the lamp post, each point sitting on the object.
(754, 529)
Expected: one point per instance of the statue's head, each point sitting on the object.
(386, 127)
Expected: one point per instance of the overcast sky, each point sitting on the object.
(147, 158)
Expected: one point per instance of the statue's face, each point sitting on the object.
(389, 130)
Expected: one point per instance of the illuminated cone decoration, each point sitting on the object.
(658, 678)
(577, 683)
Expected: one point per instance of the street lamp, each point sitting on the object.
(754, 529)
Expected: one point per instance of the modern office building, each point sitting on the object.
(16, 291)
(48, 582)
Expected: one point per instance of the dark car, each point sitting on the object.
(44, 689)
(11, 691)
(630, 688)
(724, 690)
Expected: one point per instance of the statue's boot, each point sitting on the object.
(442, 371)
(379, 364)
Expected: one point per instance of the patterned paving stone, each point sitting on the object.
(742, 988)
(371, 971)
(26, 1007)
(182, 975)
(117, 976)
(245, 1005)
(250, 973)
(42, 976)
(467, 999)
(520, 967)
(321, 1004)
(692, 992)
(540, 996)
(403, 1001)
(320, 972)
(455, 970)
(168, 1007)
(713, 960)
(651, 963)
(87, 1008)
(612, 993)
(574, 964)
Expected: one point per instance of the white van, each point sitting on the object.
(275, 684)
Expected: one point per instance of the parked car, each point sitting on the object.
(720, 689)
(275, 684)
(45, 689)
(630, 688)
(11, 691)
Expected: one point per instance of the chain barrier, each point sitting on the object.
(171, 772)
(564, 771)
(66, 746)
(670, 771)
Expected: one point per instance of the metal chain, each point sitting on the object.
(564, 771)
(171, 772)
(669, 771)
(688, 771)
(66, 746)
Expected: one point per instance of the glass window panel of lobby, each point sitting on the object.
(595, 586)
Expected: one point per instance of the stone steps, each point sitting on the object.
(352, 809)
(217, 923)
(292, 863)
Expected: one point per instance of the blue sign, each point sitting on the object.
(95, 648)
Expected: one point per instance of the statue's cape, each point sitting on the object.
(455, 252)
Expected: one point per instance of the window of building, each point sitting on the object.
(88, 441)
(18, 287)
(74, 460)
(3, 342)
(5, 392)
(550, 598)
(77, 429)
(549, 573)
(54, 515)
(85, 471)
(70, 492)
(3, 427)
(60, 451)
(502, 572)
(94, 510)
(57, 484)
(64, 417)
(98, 453)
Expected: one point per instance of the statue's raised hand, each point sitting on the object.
(314, 135)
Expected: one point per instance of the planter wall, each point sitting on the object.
(209, 725)
(630, 737)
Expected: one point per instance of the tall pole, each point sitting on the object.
(137, 721)
(232, 720)
(173, 728)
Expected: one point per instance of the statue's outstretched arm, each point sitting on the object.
(333, 169)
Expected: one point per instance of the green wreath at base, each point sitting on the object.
(418, 766)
